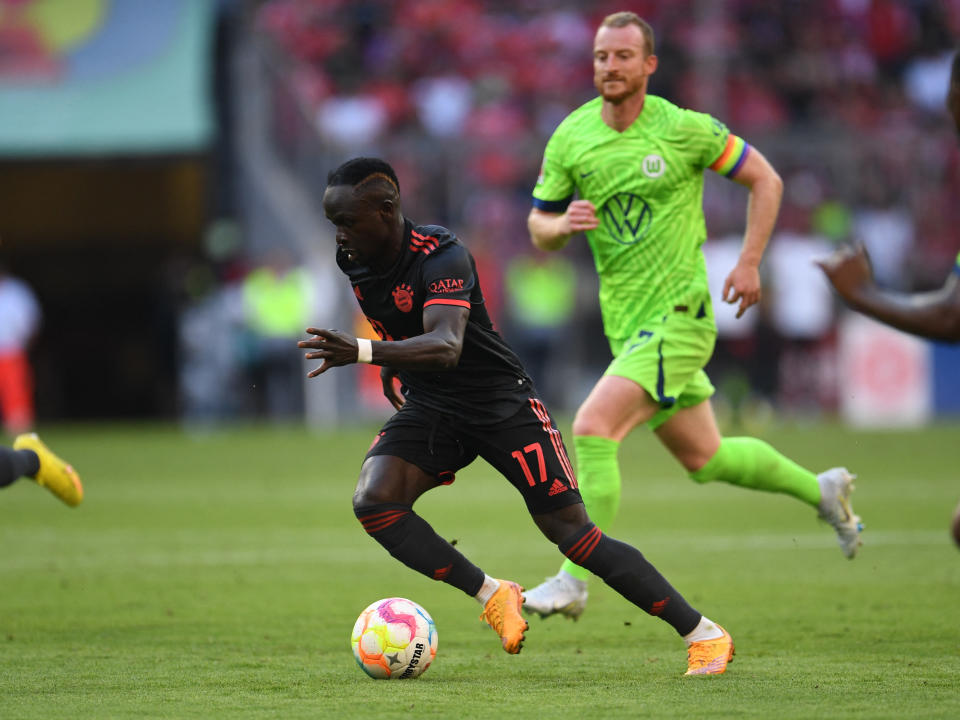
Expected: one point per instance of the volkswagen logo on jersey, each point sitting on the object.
(653, 166)
(627, 217)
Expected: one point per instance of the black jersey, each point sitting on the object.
(489, 384)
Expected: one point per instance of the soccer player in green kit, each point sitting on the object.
(637, 163)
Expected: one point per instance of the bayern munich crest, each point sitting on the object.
(403, 297)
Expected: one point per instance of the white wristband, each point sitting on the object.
(364, 351)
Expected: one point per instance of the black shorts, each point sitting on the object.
(527, 449)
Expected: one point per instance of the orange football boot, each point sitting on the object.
(502, 613)
(710, 657)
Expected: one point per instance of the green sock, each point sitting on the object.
(598, 475)
(752, 463)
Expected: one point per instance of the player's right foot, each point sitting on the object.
(710, 657)
(836, 485)
(55, 475)
(561, 593)
(502, 613)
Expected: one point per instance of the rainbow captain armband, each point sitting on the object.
(956, 268)
(732, 157)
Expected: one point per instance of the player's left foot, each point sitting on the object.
(710, 657)
(836, 485)
(55, 475)
(502, 613)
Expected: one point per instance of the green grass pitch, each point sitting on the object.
(218, 576)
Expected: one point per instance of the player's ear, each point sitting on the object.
(650, 64)
(388, 209)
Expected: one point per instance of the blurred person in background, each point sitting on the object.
(30, 457)
(19, 322)
(541, 293)
(934, 315)
(212, 329)
(801, 312)
(637, 162)
(278, 299)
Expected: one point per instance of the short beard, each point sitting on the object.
(628, 92)
(620, 97)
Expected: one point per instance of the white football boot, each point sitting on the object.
(836, 485)
(561, 593)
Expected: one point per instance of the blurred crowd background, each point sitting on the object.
(162, 162)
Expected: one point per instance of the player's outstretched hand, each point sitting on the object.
(743, 285)
(848, 270)
(333, 347)
(390, 390)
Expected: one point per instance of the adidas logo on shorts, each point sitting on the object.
(557, 488)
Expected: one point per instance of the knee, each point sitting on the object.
(366, 496)
(696, 456)
(563, 523)
(590, 420)
(556, 533)
(703, 467)
(361, 501)
(361, 496)
(369, 493)
(375, 487)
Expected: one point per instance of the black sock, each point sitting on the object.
(626, 570)
(17, 463)
(411, 540)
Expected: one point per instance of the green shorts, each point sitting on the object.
(666, 358)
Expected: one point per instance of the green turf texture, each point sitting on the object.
(219, 576)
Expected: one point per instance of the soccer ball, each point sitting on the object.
(394, 638)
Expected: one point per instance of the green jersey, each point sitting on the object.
(647, 186)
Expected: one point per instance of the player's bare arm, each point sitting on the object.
(763, 205)
(935, 315)
(552, 231)
(438, 348)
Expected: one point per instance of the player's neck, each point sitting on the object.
(392, 252)
(622, 115)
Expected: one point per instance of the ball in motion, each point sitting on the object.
(394, 638)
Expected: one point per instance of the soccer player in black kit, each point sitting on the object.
(464, 394)
(934, 315)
